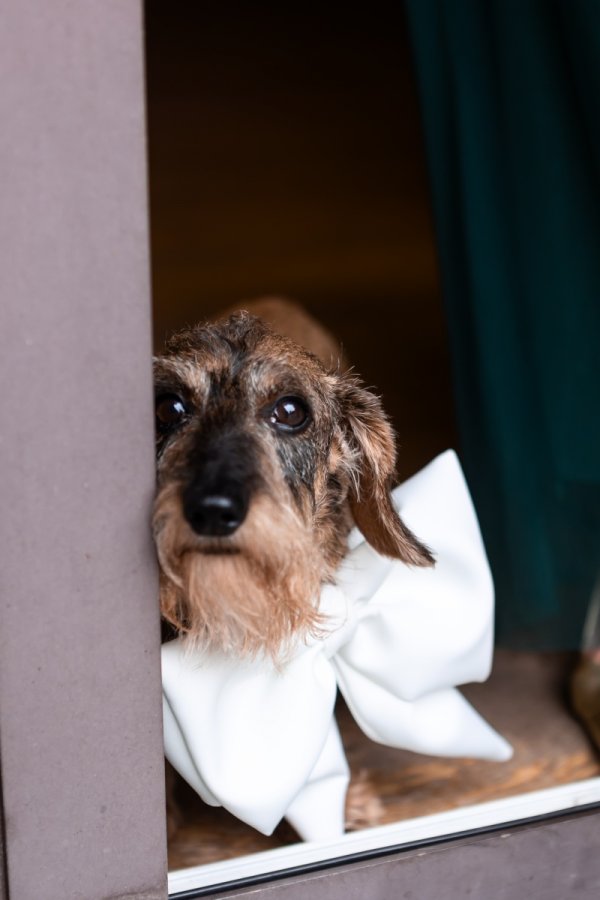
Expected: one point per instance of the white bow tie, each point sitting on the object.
(262, 741)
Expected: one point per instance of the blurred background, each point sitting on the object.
(286, 158)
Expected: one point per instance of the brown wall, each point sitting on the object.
(286, 158)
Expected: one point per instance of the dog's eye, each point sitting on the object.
(290, 414)
(170, 412)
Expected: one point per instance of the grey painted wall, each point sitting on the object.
(80, 726)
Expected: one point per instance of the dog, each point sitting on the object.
(269, 450)
(267, 455)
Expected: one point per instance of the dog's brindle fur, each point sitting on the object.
(265, 461)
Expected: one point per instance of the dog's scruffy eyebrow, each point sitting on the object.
(275, 377)
(178, 376)
(287, 387)
(169, 385)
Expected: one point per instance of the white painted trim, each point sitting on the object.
(467, 818)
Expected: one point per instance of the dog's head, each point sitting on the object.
(265, 460)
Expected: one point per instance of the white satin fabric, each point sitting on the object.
(262, 741)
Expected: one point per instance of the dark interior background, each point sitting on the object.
(286, 158)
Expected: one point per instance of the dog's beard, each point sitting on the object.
(253, 593)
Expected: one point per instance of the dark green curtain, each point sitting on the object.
(510, 96)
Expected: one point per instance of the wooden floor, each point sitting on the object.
(524, 700)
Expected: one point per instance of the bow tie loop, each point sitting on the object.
(261, 740)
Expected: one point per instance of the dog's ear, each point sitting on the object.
(370, 439)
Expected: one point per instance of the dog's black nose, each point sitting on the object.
(214, 515)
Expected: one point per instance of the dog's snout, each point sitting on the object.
(221, 479)
(215, 515)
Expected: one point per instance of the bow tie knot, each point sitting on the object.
(262, 741)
